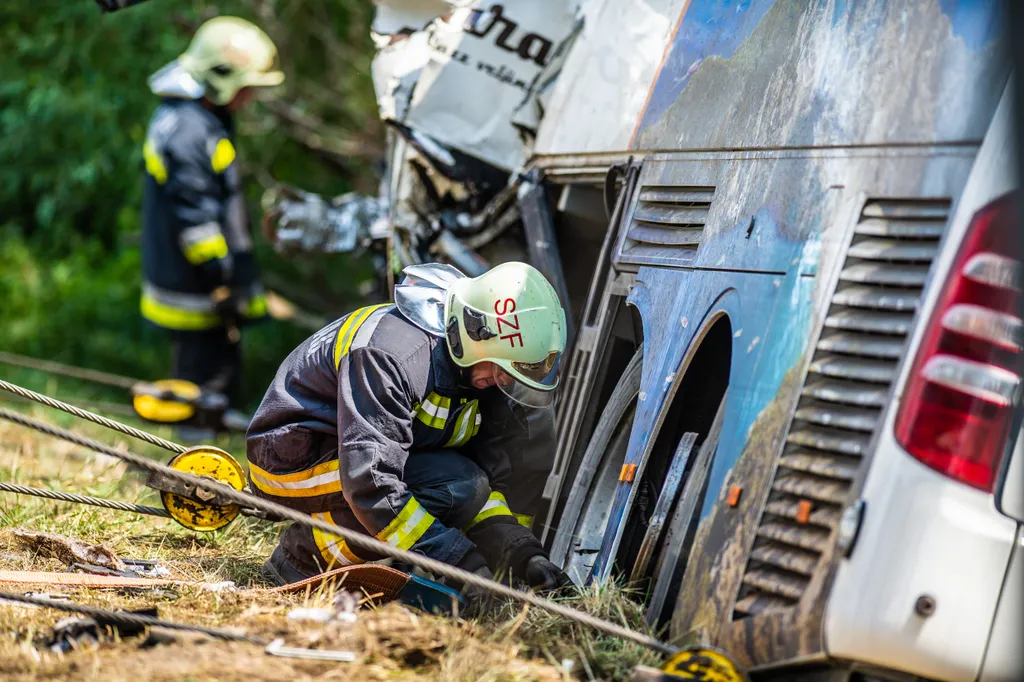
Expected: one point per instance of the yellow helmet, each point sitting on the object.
(509, 316)
(225, 55)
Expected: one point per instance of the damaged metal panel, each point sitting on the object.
(603, 86)
(771, 261)
(541, 240)
(828, 437)
(791, 73)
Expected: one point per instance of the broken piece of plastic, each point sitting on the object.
(277, 648)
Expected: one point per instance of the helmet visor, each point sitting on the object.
(525, 395)
(544, 372)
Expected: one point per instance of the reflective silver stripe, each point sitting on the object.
(319, 480)
(330, 542)
(196, 234)
(434, 410)
(184, 301)
(369, 326)
(406, 535)
(462, 433)
(199, 303)
(494, 504)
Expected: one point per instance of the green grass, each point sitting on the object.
(507, 643)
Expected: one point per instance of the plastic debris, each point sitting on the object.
(277, 648)
(40, 595)
(343, 610)
(316, 615)
(147, 568)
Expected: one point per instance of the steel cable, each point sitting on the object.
(354, 538)
(83, 499)
(92, 417)
(51, 367)
(124, 618)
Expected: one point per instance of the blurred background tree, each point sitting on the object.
(74, 106)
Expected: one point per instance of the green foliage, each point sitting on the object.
(74, 106)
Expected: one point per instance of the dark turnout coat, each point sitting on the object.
(195, 235)
(348, 408)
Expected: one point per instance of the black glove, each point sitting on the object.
(476, 598)
(228, 307)
(543, 576)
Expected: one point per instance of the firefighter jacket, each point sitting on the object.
(346, 410)
(195, 235)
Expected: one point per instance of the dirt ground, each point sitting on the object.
(390, 642)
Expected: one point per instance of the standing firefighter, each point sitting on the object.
(200, 275)
(404, 421)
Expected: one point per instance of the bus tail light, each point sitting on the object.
(958, 404)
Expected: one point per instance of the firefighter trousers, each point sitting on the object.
(448, 485)
(208, 359)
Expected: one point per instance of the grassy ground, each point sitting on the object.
(391, 642)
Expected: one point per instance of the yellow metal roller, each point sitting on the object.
(183, 503)
(702, 663)
(167, 401)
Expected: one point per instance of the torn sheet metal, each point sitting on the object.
(482, 62)
(601, 90)
(395, 17)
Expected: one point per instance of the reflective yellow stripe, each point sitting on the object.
(154, 162)
(348, 331)
(223, 155)
(176, 318)
(465, 426)
(322, 479)
(433, 411)
(333, 549)
(495, 506)
(408, 527)
(524, 519)
(206, 249)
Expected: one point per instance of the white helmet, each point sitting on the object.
(225, 55)
(509, 316)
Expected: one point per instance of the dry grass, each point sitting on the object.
(392, 643)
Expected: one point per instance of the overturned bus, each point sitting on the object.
(787, 233)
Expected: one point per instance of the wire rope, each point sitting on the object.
(355, 539)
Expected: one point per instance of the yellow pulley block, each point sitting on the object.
(191, 505)
(703, 663)
(167, 401)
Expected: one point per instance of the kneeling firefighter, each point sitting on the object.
(200, 276)
(404, 421)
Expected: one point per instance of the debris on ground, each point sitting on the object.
(75, 633)
(277, 648)
(159, 636)
(343, 609)
(221, 586)
(390, 641)
(67, 550)
(148, 569)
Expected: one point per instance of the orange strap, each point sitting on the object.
(79, 579)
(383, 583)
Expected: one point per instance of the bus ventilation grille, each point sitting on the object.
(667, 225)
(845, 392)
